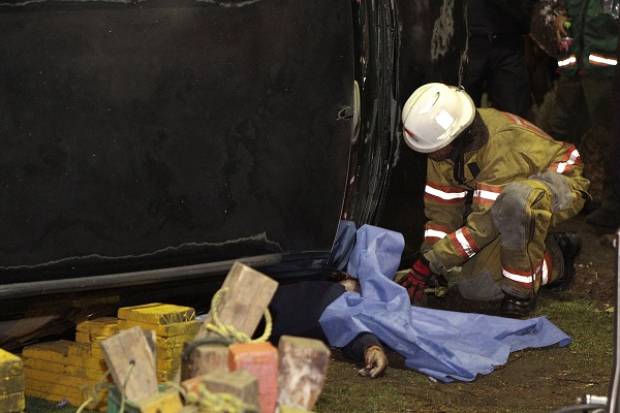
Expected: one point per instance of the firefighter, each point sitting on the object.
(495, 53)
(588, 33)
(496, 185)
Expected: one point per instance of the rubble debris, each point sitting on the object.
(303, 369)
(12, 399)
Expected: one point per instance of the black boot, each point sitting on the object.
(517, 307)
(570, 245)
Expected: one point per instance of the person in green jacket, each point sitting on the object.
(496, 185)
(587, 31)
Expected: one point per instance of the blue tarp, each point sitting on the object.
(445, 345)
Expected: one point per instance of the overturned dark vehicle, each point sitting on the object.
(150, 144)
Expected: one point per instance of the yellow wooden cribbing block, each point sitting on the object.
(11, 384)
(157, 313)
(55, 388)
(87, 363)
(46, 376)
(176, 341)
(166, 402)
(81, 393)
(53, 367)
(78, 350)
(56, 351)
(168, 364)
(103, 326)
(13, 403)
(96, 352)
(82, 337)
(166, 376)
(10, 364)
(165, 330)
(169, 353)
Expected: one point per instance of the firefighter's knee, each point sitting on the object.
(512, 212)
(557, 184)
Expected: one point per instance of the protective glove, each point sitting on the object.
(417, 280)
(375, 362)
(421, 280)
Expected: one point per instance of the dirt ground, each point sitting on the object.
(532, 381)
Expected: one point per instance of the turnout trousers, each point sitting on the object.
(523, 257)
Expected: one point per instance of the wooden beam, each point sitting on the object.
(132, 364)
(248, 294)
(303, 369)
(205, 359)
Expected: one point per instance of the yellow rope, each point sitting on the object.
(218, 402)
(228, 331)
(83, 405)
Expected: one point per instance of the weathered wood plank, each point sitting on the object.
(205, 359)
(239, 383)
(247, 295)
(132, 364)
(303, 369)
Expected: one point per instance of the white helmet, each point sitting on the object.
(434, 115)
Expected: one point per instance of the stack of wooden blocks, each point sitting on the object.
(145, 344)
(173, 326)
(11, 383)
(290, 377)
(57, 371)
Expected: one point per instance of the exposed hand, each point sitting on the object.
(375, 362)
